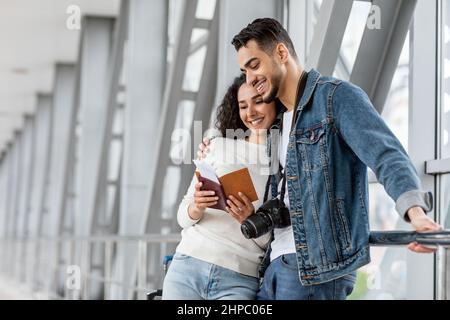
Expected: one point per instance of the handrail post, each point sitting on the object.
(107, 271)
(142, 269)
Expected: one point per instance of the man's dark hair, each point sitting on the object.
(267, 33)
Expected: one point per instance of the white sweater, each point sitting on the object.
(216, 238)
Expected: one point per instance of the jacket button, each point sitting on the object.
(312, 136)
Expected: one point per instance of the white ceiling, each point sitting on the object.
(34, 37)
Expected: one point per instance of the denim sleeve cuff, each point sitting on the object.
(413, 198)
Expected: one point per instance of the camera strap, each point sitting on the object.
(300, 90)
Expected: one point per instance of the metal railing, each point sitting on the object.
(85, 267)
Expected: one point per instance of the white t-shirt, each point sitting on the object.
(283, 242)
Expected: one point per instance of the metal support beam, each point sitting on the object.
(18, 173)
(98, 211)
(7, 168)
(94, 59)
(3, 193)
(422, 119)
(328, 34)
(380, 50)
(63, 113)
(26, 172)
(91, 99)
(233, 17)
(40, 180)
(25, 193)
(31, 164)
(145, 76)
(203, 105)
(43, 121)
(300, 25)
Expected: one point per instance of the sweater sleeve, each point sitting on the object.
(184, 220)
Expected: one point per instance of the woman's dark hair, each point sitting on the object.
(227, 116)
(228, 111)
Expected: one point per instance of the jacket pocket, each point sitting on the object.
(310, 135)
(342, 221)
(311, 147)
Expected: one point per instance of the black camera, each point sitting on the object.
(272, 214)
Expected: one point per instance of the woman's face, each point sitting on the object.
(255, 114)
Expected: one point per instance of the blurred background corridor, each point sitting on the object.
(96, 97)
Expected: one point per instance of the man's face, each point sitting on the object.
(262, 71)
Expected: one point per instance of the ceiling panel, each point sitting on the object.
(34, 37)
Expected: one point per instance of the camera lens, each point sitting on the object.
(256, 225)
(272, 214)
(248, 230)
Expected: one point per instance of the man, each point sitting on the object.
(336, 134)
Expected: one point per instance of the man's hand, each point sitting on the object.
(421, 223)
(203, 148)
(238, 209)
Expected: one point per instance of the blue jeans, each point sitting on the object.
(281, 282)
(189, 278)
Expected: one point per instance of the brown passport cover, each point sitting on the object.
(230, 184)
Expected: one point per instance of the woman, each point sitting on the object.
(214, 260)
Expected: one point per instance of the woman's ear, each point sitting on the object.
(282, 52)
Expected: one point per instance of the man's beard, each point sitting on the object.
(274, 91)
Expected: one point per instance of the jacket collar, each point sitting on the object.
(313, 77)
(311, 82)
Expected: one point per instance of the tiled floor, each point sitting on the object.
(10, 290)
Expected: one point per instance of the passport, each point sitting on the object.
(225, 185)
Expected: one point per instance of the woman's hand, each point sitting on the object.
(202, 200)
(238, 209)
(203, 148)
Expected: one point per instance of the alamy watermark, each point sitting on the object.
(73, 280)
(231, 150)
(73, 21)
(374, 19)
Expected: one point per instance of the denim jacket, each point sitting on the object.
(337, 134)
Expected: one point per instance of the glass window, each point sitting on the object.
(352, 38)
(385, 277)
(396, 109)
(444, 194)
(444, 254)
(445, 84)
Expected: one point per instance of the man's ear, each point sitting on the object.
(282, 52)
